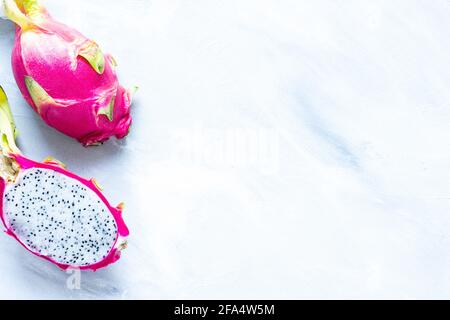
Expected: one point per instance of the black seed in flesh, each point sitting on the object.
(48, 222)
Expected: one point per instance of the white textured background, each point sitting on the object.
(280, 149)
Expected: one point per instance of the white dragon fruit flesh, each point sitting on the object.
(53, 213)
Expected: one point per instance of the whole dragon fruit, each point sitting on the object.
(66, 78)
(52, 212)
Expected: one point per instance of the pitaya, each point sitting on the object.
(66, 78)
(52, 212)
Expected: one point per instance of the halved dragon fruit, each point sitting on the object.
(66, 78)
(52, 212)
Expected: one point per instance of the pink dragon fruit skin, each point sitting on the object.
(66, 78)
(16, 171)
